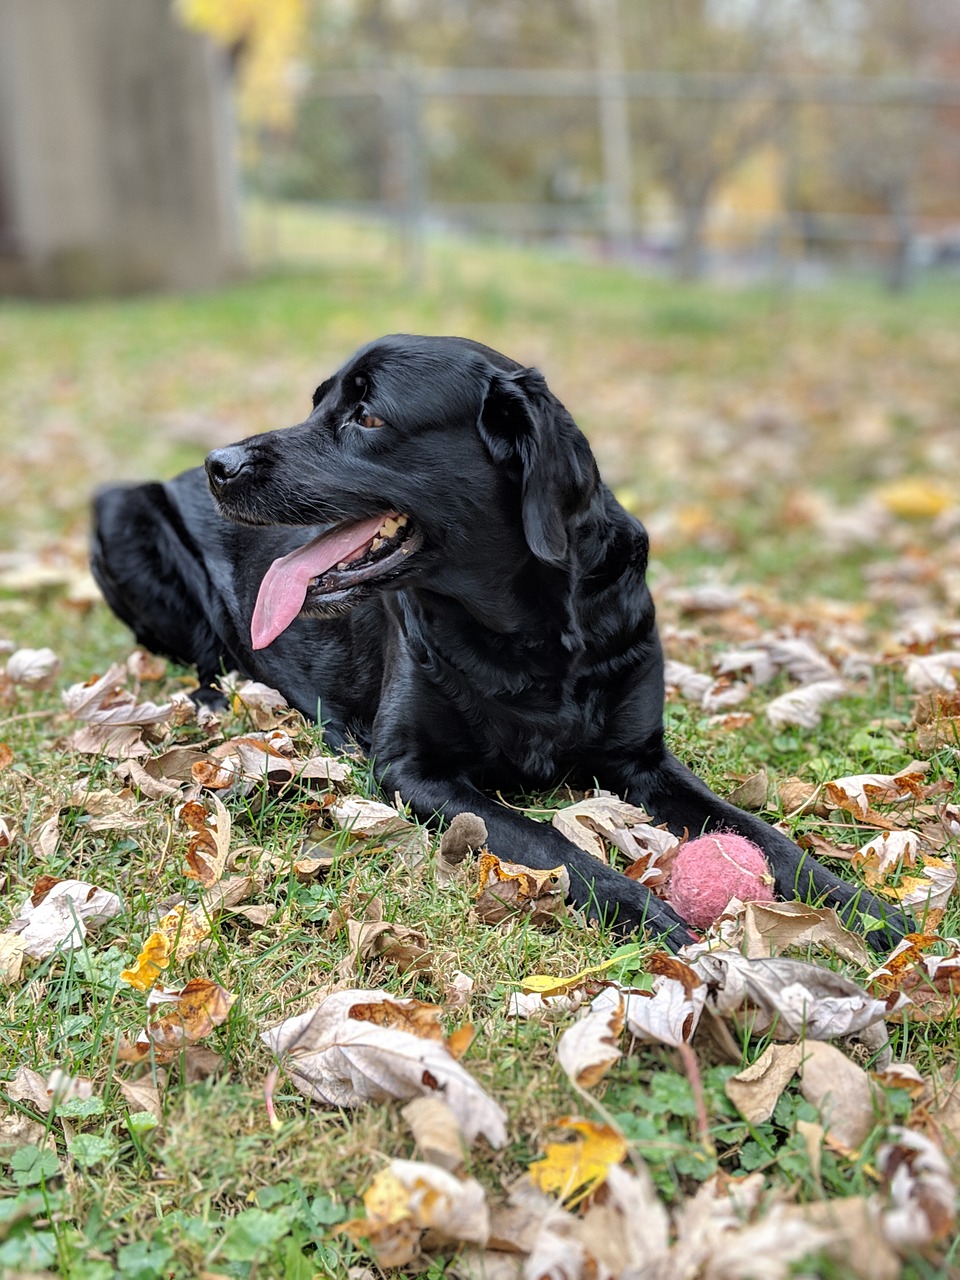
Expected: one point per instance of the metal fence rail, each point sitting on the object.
(404, 98)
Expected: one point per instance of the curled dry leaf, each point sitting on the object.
(33, 668)
(791, 997)
(370, 819)
(934, 671)
(210, 842)
(686, 680)
(574, 1169)
(58, 921)
(531, 1004)
(918, 1203)
(670, 1011)
(804, 706)
(773, 926)
(366, 1046)
(508, 888)
(177, 935)
(857, 793)
(797, 797)
(751, 793)
(107, 701)
(882, 858)
(436, 1132)
(372, 936)
(603, 819)
(589, 1048)
(200, 1006)
(242, 763)
(931, 984)
(266, 707)
(408, 1199)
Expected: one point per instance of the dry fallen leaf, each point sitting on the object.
(178, 934)
(918, 1203)
(804, 706)
(436, 1132)
(407, 1199)
(841, 1091)
(508, 888)
(210, 842)
(59, 918)
(200, 1006)
(107, 701)
(774, 926)
(756, 1089)
(33, 668)
(372, 936)
(589, 1048)
(575, 1169)
(789, 996)
(366, 1046)
(602, 816)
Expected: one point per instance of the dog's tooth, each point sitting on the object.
(376, 543)
(389, 527)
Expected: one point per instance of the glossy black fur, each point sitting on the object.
(516, 650)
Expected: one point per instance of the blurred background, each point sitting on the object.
(727, 230)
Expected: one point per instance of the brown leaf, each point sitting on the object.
(841, 1091)
(365, 1046)
(589, 1048)
(756, 1089)
(436, 1132)
(407, 1199)
(769, 927)
(752, 792)
(798, 797)
(795, 998)
(201, 1006)
(508, 888)
(918, 1200)
(210, 842)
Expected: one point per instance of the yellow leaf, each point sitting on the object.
(914, 498)
(177, 935)
(544, 985)
(573, 1170)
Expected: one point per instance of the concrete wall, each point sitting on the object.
(116, 157)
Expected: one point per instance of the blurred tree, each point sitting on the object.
(694, 143)
(265, 37)
(891, 153)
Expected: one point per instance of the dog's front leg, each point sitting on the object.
(672, 794)
(604, 892)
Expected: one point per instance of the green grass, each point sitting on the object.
(729, 419)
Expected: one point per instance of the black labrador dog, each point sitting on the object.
(431, 566)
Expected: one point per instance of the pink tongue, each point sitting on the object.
(284, 585)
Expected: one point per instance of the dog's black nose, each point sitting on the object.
(224, 465)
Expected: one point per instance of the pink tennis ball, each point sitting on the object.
(710, 871)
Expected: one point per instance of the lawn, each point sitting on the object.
(795, 456)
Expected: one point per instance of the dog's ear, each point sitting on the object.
(525, 426)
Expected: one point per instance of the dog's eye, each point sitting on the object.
(370, 420)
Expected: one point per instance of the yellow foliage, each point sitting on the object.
(573, 1170)
(272, 33)
(915, 498)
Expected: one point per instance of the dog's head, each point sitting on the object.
(427, 456)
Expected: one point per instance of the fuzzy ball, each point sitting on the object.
(710, 871)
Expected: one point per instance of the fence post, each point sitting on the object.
(614, 109)
(406, 127)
